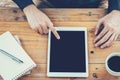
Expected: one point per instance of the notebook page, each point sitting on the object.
(18, 40)
(11, 69)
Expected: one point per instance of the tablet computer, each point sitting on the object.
(68, 56)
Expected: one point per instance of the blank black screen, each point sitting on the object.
(68, 53)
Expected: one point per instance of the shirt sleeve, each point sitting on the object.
(113, 5)
(23, 3)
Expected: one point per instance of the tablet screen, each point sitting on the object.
(68, 53)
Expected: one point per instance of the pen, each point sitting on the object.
(11, 56)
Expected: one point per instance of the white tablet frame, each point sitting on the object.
(67, 74)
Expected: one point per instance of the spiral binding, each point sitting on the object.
(26, 70)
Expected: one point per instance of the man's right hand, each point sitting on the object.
(39, 21)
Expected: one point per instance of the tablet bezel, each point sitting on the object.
(68, 74)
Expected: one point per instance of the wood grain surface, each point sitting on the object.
(13, 20)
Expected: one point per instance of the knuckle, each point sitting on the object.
(99, 43)
(101, 34)
(104, 45)
(45, 30)
(100, 20)
(104, 39)
(108, 45)
(34, 28)
(112, 29)
(108, 25)
(98, 37)
(97, 28)
(51, 24)
(109, 42)
(40, 31)
(37, 26)
(52, 28)
(117, 32)
(105, 22)
(42, 24)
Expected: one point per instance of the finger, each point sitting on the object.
(98, 26)
(104, 31)
(109, 42)
(33, 25)
(35, 29)
(54, 31)
(45, 29)
(40, 30)
(105, 38)
(117, 37)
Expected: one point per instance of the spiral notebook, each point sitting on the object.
(10, 69)
(18, 40)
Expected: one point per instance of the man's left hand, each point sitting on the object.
(111, 30)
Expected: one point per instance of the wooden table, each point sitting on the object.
(36, 45)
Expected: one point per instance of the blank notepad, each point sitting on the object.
(10, 69)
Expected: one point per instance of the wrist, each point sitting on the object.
(29, 8)
(117, 12)
(23, 3)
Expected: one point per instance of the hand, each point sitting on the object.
(39, 21)
(111, 30)
(1, 77)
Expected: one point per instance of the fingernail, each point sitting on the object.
(58, 37)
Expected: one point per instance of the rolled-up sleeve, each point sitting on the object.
(23, 3)
(113, 5)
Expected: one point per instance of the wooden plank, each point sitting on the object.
(36, 44)
(96, 72)
(75, 15)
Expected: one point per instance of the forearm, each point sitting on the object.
(23, 3)
(113, 5)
